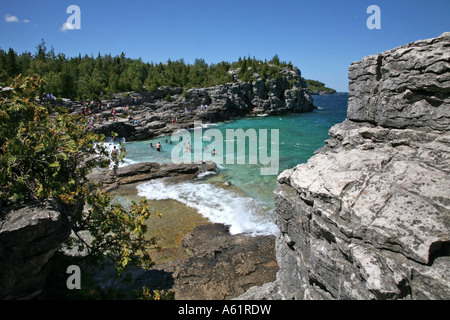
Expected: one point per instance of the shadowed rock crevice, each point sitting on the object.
(438, 249)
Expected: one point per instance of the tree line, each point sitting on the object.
(89, 77)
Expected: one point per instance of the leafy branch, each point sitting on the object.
(45, 153)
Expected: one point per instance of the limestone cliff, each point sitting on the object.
(368, 217)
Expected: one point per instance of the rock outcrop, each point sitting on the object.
(223, 266)
(29, 236)
(404, 88)
(368, 217)
(220, 265)
(167, 109)
(146, 171)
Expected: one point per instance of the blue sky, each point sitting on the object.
(321, 37)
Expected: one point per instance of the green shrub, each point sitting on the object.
(45, 153)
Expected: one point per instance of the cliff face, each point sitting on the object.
(405, 88)
(368, 217)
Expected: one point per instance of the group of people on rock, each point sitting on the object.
(94, 119)
(47, 97)
(202, 108)
(97, 107)
(93, 108)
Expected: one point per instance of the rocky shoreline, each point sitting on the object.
(220, 265)
(30, 236)
(145, 115)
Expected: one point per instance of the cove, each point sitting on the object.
(252, 207)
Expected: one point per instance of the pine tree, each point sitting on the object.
(11, 63)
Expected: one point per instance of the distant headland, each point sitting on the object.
(318, 88)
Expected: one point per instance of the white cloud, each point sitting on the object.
(66, 26)
(11, 18)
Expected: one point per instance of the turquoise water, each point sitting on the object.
(250, 209)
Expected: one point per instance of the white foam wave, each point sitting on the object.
(206, 173)
(208, 125)
(243, 214)
(125, 161)
(204, 125)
